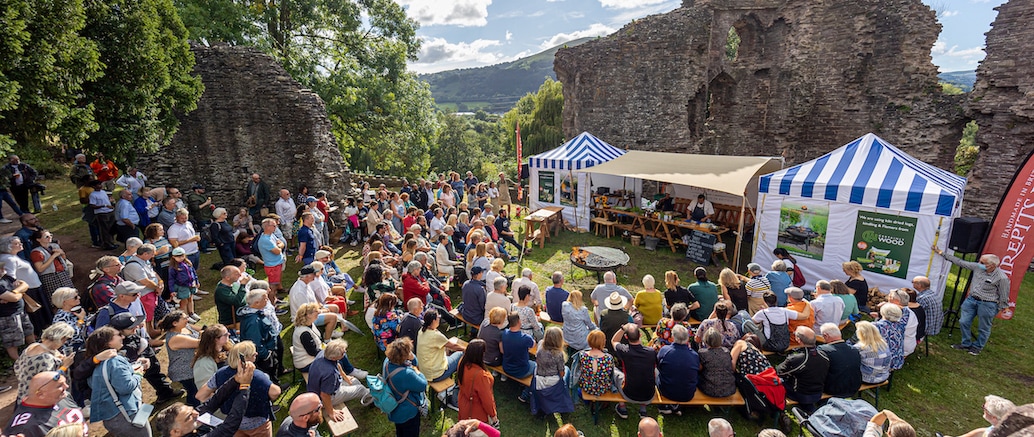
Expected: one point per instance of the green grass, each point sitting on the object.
(942, 392)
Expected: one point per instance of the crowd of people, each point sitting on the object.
(97, 345)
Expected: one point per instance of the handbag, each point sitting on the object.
(30, 304)
(142, 414)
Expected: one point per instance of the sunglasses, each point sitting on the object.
(56, 378)
(317, 410)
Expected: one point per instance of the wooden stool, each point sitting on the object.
(600, 222)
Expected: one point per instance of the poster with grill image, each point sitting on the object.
(802, 228)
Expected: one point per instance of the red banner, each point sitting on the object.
(1011, 231)
(519, 150)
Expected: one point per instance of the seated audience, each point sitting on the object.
(555, 298)
(719, 320)
(776, 320)
(845, 363)
(406, 416)
(679, 316)
(438, 355)
(897, 427)
(593, 371)
(45, 406)
(614, 317)
(705, 292)
(328, 380)
(676, 293)
(892, 326)
(995, 409)
(492, 335)
(636, 382)
(717, 378)
(551, 375)
(747, 357)
(514, 346)
(412, 321)
(474, 293)
(577, 323)
(306, 414)
(385, 321)
(828, 308)
(805, 313)
(677, 368)
(804, 370)
(874, 351)
(529, 318)
(844, 293)
(719, 427)
(497, 298)
(259, 412)
(179, 420)
(649, 302)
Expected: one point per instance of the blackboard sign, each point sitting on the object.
(700, 245)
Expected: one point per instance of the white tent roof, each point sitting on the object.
(727, 174)
(871, 172)
(583, 151)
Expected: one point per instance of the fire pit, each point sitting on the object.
(802, 235)
(598, 259)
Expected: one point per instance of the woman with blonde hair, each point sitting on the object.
(306, 341)
(44, 356)
(577, 323)
(732, 288)
(495, 270)
(551, 375)
(875, 353)
(856, 282)
(675, 293)
(649, 302)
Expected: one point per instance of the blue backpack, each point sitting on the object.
(382, 391)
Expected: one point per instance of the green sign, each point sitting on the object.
(883, 243)
(546, 193)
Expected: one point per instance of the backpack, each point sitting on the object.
(798, 276)
(779, 336)
(382, 391)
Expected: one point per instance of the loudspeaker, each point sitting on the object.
(525, 171)
(967, 234)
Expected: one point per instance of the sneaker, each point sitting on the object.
(642, 411)
(174, 395)
(281, 311)
(523, 398)
(367, 400)
(665, 409)
(5, 388)
(195, 297)
(276, 409)
(95, 246)
(622, 412)
(202, 292)
(336, 334)
(194, 318)
(351, 302)
(451, 403)
(513, 259)
(960, 347)
(502, 377)
(353, 244)
(6, 221)
(974, 351)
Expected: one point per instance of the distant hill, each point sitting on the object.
(961, 79)
(495, 88)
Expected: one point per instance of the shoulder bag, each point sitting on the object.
(142, 414)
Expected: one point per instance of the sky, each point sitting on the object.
(475, 33)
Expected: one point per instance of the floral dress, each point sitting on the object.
(729, 335)
(894, 334)
(78, 341)
(385, 329)
(662, 337)
(596, 374)
(751, 361)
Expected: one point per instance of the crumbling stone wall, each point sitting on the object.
(252, 118)
(808, 77)
(1002, 103)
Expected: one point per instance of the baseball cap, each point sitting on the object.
(476, 270)
(310, 199)
(754, 267)
(307, 270)
(321, 254)
(125, 320)
(128, 287)
(178, 251)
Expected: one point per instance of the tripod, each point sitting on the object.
(962, 276)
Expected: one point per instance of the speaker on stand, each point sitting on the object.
(967, 237)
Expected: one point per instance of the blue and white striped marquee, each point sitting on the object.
(871, 172)
(583, 151)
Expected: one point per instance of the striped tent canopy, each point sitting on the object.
(871, 172)
(583, 151)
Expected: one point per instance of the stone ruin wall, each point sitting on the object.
(808, 77)
(252, 118)
(1002, 103)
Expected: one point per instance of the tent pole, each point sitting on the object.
(739, 234)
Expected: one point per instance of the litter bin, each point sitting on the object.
(651, 242)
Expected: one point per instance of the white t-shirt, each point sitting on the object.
(100, 198)
(776, 315)
(300, 294)
(183, 232)
(437, 226)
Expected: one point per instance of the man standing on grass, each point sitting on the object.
(271, 249)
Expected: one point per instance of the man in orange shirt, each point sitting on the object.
(806, 315)
(106, 171)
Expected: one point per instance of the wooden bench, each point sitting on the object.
(544, 318)
(340, 428)
(602, 224)
(456, 313)
(525, 381)
(439, 387)
(699, 400)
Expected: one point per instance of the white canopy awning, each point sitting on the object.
(727, 174)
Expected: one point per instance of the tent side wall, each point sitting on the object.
(840, 242)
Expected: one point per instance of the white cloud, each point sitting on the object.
(597, 29)
(629, 4)
(628, 15)
(437, 54)
(509, 35)
(947, 14)
(464, 13)
(940, 48)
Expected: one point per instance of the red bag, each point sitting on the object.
(798, 277)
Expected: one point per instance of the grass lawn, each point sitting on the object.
(942, 392)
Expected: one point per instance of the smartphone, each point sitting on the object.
(241, 357)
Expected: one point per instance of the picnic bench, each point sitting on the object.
(551, 218)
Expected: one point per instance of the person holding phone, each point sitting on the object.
(896, 428)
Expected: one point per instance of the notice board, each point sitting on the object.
(699, 246)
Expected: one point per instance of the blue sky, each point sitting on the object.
(474, 33)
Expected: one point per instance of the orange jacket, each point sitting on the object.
(103, 174)
(476, 400)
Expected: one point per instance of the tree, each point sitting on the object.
(147, 75)
(44, 63)
(966, 153)
(541, 118)
(353, 53)
(218, 21)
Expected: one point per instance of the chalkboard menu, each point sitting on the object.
(700, 245)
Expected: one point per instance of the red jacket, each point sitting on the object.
(414, 286)
(769, 383)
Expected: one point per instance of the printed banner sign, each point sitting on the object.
(546, 193)
(1010, 235)
(883, 243)
(802, 227)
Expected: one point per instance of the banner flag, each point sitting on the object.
(1011, 234)
(519, 150)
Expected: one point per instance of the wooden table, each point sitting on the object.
(551, 217)
(645, 225)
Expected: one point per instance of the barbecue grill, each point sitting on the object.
(802, 235)
(598, 259)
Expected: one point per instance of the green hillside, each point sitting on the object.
(495, 88)
(961, 79)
